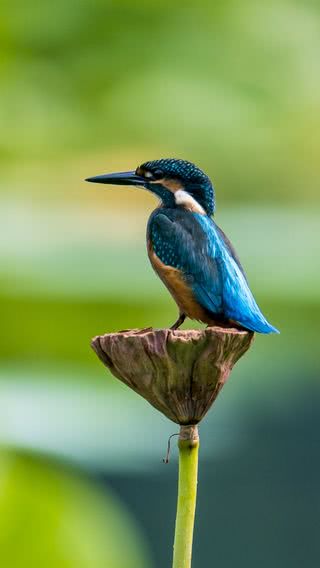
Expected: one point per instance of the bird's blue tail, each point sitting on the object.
(260, 326)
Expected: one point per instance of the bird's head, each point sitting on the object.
(175, 182)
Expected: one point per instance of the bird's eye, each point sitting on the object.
(148, 174)
(158, 174)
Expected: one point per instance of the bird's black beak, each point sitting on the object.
(119, 178)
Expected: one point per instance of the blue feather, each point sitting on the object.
(238, 301)
(194, 244)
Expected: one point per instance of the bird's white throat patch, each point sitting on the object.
(188, 202)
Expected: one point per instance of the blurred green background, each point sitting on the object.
(90, 87)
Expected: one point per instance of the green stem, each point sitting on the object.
(187, 496)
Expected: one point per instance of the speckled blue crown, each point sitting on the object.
(195, 181)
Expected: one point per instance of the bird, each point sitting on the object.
(188, 250)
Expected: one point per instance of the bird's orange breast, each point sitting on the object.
(177, 286)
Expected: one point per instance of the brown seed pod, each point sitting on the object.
(179, 372)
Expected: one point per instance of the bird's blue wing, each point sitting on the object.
(194, 244)
(179, 241)
(238, 301)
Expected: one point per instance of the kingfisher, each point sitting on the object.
(189, 252)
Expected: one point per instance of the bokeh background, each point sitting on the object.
(90, 87)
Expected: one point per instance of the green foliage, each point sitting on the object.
(52, 518)
(222, 84)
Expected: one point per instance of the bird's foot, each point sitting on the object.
(179, 321)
